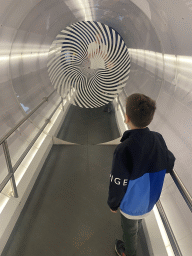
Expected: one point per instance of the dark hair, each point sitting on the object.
(140, 109)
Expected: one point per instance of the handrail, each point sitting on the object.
(24, 119)
(34, 139)
(184, 192)
(168, 229)
(3, 140)
(14, 168)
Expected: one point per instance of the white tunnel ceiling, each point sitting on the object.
(90, 62)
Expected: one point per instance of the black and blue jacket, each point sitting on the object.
(139, 165)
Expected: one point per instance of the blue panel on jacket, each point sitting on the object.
(143, 193)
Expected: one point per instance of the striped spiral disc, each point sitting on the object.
(89, 64)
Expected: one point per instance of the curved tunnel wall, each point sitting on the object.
(158, 35)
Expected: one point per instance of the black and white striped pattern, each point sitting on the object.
(88, 63)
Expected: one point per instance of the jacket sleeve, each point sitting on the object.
(119, 177)
(170, 161)
(170, 157)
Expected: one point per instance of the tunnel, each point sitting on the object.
(62, 119)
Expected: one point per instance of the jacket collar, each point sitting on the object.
(128, 133)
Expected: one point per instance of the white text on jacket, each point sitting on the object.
(118, 181)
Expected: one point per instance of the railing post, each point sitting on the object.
(10, 168)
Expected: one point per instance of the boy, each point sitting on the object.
(140, 163)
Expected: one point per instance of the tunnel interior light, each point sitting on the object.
(18, 56)
(3, 201)
(6, 57)
(185, 59)
(83, 6)
(169, 57)
(180, 66)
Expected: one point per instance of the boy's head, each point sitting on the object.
(140, 110)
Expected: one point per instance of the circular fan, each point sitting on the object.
(89, 63)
